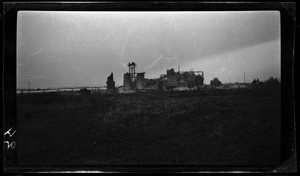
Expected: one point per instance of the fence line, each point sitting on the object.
(60, 89)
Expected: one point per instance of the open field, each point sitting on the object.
(216, 127)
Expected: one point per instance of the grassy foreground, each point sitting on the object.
(215, 127)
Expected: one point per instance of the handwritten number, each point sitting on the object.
(12, 144)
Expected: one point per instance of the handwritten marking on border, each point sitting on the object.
(13, 143)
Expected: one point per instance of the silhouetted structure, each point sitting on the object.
(127, 81)
(133, 81)
(172, 80)
(110, 83)
(184, 79)
(140, 81)
(215, 82)
(131, 67)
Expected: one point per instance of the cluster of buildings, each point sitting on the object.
(136, 82)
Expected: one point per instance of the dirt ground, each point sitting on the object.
(213, 127)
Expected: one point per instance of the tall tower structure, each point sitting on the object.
(129, 77)
(131, 67)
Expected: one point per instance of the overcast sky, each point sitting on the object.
(56, 49)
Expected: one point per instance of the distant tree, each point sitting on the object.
(215, 82)
(274, 82)
(256, 83)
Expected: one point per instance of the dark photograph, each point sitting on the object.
(150, 88)
(163, 88)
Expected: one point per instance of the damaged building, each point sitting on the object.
(110, 83)
(181, 80)
(132, 81)
(185, 80)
